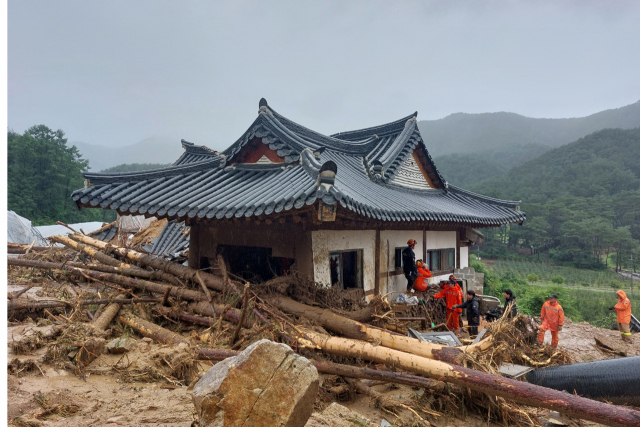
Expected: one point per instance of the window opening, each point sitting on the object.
(398, 257)
(441, 260)
(346, 269)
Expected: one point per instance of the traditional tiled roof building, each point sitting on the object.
(337, 207)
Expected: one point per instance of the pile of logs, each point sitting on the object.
(135, 278)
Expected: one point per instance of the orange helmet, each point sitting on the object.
(411, 242)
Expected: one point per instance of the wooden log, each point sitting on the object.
(187, 317)
(140, 284)
(232, 315)
(151, 330)
(245, 305)
(102, 323)
(517, 391)
(122, 268)
(509, 389)
(42, 304)
(352, 329)
(179, 270)
(16, 249)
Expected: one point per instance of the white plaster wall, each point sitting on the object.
(441, 239)
(390, 240)
(464, 256)
(326, 241)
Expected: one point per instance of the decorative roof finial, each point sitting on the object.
(263, 103)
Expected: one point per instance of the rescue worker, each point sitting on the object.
(409, 263)
(552, 316)
(510, 299)
(473, 311)
(423, 273)
(452, 296)
(623, 311)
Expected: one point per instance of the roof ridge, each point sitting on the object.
(379, 129)
(150, 172)
(510, 203)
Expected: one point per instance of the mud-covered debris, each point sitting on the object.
(120, 345)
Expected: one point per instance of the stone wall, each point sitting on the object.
(474, 280)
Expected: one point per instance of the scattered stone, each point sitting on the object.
(265, 385)
(121, 345)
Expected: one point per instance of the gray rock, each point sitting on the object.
(265, 385)
(120, 345)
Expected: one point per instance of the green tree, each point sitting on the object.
(42, 173)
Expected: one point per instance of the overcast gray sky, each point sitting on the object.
(116, 72)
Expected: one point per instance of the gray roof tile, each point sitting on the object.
(203, 183)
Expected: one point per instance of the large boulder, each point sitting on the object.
(265, 385)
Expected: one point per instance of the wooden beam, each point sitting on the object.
(458, 248)
(378, 248)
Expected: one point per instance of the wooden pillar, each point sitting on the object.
(194, 245)
(378, 249)
(424, 246)
(458, 248)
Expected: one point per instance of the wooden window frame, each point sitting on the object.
(442, 253)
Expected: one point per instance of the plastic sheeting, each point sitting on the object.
(20, 231)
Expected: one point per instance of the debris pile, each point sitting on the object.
(96, 297)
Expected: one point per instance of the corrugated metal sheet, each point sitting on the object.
(205, 184)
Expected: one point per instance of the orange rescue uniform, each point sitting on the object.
(452, 296)
(623, 312)
(552, 316)
(420, 285)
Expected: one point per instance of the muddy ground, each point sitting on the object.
(122, 389)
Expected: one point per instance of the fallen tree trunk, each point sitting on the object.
(517, 391)
(179, 270)
(229, 314)
(124, 268)
(40, 304)
(232, 315)
(352, 329)
(102, 323)
(14, 248)
(144, 285)
(151, 330)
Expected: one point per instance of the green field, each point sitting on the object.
(604, 279)
(586, 295)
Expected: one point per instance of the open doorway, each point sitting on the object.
(346, 268)
(254, 264)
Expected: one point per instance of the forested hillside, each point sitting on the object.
(468, 133)
(155, 149)
(42, 171)
(582, 200)
(135, 167)
(465, 169)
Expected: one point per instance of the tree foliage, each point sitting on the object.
(42, 173)
(582, 202)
